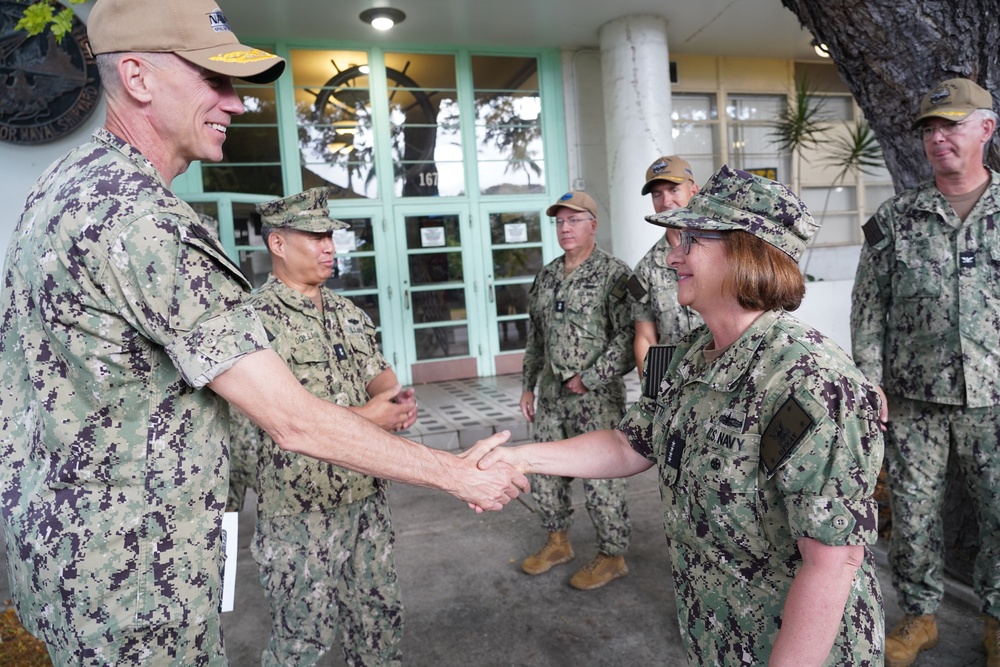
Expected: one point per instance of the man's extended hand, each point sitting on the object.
(501, 482)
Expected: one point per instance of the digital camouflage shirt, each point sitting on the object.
(926, 304)
(580, 323)
(118, 309)
(335, 355)
(775, 440)
(654, 287)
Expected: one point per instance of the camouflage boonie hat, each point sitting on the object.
(305, 212)
(736, 200)
(671, 168)
(576, 200)
(953, 100)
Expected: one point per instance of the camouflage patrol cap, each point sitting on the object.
(195, 30)
(736, 200)
(305, 212)
(671, 168)
(576, 200)
(953, 100)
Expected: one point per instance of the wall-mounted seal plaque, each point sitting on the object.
(47, 89)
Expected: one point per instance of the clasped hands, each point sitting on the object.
(498, 468)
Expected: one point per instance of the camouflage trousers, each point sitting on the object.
(329, 577)
(919, 439)
(561, 414)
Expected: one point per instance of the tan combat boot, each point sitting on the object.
(599, 571)
(556, 551)
(912, 635)
(991, 641)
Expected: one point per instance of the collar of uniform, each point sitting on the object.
(111, 140)
(660, 250)
(293, 298)
(726, 372)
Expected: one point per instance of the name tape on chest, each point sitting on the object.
(783, 435)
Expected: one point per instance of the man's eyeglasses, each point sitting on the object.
(925, 132)
(689, 237)
(572, 222)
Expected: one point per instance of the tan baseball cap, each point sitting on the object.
(305, 211)
(671, 168)
(953, 100)
(195, 30)
(576, 200)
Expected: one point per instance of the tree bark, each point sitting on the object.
(891, 52)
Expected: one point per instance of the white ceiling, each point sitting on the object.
(748, 28)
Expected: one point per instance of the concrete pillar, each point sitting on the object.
(635, 66)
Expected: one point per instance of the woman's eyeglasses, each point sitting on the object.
(689, 237)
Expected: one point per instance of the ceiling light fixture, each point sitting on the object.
(821, 49)
(382, 18)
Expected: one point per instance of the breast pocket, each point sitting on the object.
(918, 262)
(722, 474)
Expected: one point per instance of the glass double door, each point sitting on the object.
(463, 278)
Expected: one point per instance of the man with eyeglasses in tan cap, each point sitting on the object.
(659, 319)
(124, 334)
(924, 319)
(579, 347)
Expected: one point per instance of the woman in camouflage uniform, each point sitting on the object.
(767, 444)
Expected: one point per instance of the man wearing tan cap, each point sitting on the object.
(579, 346)
(659, 319)
(124, 329)
(924, 318)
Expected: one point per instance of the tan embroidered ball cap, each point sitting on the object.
(195, 30)
(953, 100)
(575, 200)
(671, 168)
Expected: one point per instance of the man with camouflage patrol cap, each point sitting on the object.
(659, 319)
(579, 346)
(124, 334)
(924, 318)
(320, 527)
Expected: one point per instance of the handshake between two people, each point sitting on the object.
(487, 456)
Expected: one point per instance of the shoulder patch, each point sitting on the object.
(873, 233)
(636, 288)
(782, 436)
(658, 359)
(620, 288)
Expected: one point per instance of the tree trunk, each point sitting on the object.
(891, 52)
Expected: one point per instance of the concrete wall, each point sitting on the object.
(22, 165)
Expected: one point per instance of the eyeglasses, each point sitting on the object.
(572, 222)
(925, 132)
(689, 237)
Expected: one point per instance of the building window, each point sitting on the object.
(695, 132)
(750, 133)
(509, 151)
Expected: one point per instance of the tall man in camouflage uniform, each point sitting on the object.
(578, 349)
(659, 319)
(123, 330)
(324, 539)
(925, 317)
